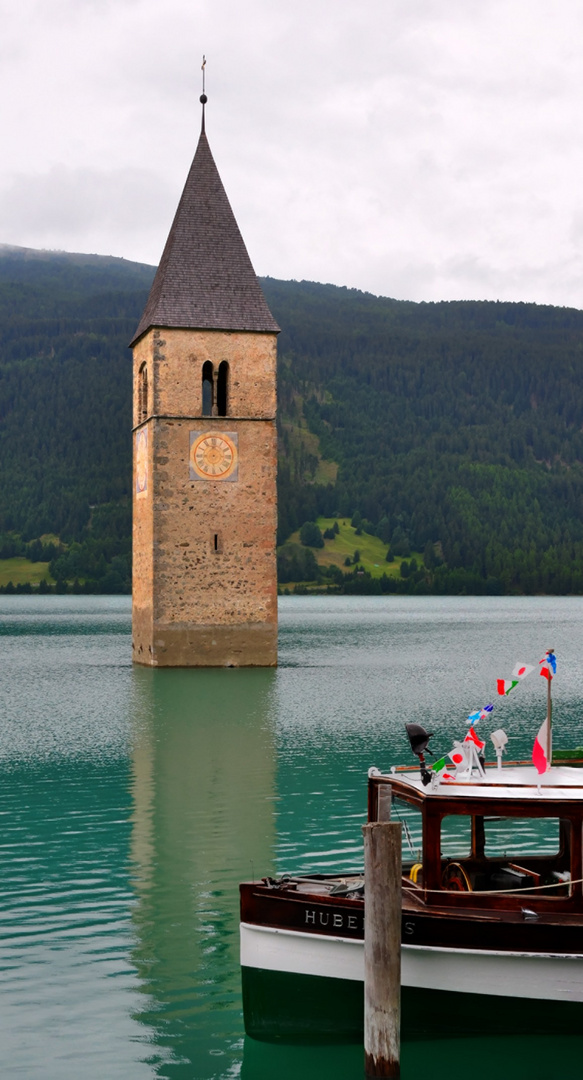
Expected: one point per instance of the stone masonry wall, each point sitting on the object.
(195, 604)
(143, 557)
(175, 359)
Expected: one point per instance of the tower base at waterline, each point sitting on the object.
(245, 645)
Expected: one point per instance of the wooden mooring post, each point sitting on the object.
(382, 948)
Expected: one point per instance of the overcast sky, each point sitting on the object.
(421, 149)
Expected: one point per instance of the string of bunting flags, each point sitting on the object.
(464, 753)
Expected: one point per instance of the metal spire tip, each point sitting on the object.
(203, 97)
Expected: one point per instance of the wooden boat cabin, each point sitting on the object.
(492, 913)
(495, 842)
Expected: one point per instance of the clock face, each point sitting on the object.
(213, 455)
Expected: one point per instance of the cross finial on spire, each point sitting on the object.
(203, 97)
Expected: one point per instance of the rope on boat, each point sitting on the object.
(285, 879)
(504, 892)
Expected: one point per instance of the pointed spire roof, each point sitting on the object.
(205, 279)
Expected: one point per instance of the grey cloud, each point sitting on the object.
(85, 203)
(417, 149)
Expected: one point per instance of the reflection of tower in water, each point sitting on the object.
(203, 766)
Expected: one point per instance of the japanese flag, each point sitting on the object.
(457, 755)
(522, 670)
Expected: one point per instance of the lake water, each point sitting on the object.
(133, 801)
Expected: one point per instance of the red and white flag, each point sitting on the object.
(548, 665)
(541, 751)
(522, 670)
(472, 736)
(458, 755)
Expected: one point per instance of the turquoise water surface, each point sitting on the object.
(133, 801)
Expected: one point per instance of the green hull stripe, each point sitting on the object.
(283, 1007)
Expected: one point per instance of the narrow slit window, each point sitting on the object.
(216, 541)
(207, 388)
(223, 389)
(142, 393)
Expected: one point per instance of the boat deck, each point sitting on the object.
(560, 782)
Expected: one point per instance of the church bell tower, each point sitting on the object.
(205, 448)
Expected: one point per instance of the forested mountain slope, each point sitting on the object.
(457, 423)
(451, 427)
(65, 403)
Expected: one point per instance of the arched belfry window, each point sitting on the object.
(207, 388)
(142, 393)
(223, 389)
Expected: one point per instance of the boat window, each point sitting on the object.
(412, 836)
(519, 836)
(456, 836)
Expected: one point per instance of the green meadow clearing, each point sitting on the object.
(20, 571)
(373, 553)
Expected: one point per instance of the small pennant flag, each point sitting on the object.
(480, 714)
(439, 765)
(540, 751)
(548, 665)
(473, 737)
(522, 670)
(457, 755)
(504, 686)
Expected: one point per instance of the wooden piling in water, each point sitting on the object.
(382, 949)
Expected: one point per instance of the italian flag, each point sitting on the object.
(439, 765)
(442, 764)
(541, 751)
(504, 686)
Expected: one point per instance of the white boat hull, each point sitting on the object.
(550, 977)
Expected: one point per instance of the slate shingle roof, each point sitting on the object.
(205, 279)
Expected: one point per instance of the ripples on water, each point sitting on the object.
(133, 801)
(67, 986)
(356, 670)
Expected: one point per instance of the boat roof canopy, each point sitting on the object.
(512, 782)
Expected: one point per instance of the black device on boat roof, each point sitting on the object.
(419, 738)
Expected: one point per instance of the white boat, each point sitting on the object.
(492, 913)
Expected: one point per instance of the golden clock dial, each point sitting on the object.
(213, 456)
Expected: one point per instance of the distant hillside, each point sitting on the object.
(457, 425)
(454, 429)
(68, 275)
